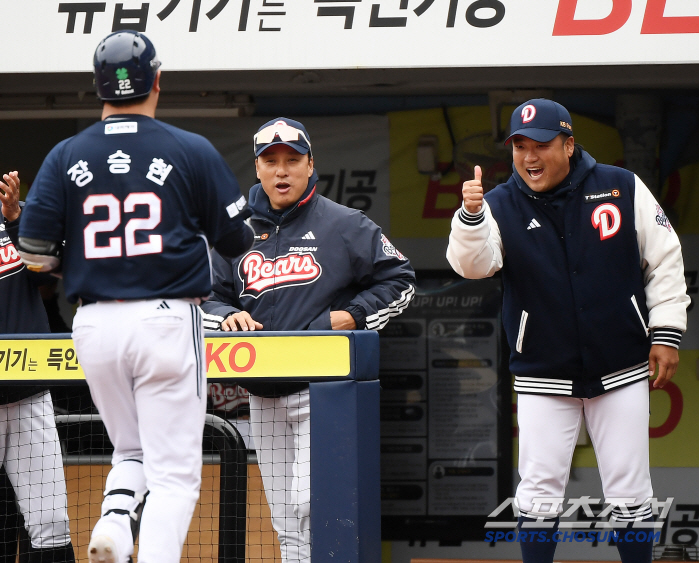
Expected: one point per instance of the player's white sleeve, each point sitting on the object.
(661, 263)
(475, 246)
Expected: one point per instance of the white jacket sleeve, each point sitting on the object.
(663, 268)
(475, 246)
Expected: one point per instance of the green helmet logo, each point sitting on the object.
(122, 74)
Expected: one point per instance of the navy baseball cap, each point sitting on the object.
(541, 120)
(282, 131)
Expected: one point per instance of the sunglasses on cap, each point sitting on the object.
(286, 134)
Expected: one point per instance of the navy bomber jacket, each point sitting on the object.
(592, 274)
(315, 257)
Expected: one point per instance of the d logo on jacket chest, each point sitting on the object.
(606, 218)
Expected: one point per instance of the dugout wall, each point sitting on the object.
(342, 369)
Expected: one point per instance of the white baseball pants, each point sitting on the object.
(617, 423)
(143, 361)
(31, 454)
(281, 430)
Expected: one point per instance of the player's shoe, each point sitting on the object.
(102, 549)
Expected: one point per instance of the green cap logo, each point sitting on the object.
(122, 73)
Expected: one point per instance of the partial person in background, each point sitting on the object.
(30, 451)
(315, 265)
(138, 202)
(595, 302)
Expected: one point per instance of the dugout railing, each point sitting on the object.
(342, 370)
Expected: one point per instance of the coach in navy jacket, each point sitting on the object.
(315, 265)
(594, 301)
(327, 258)
(310, 262)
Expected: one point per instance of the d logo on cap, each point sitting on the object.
(528, 113)
(540, 119)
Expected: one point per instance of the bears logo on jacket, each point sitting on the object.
(260, 274)
(10, 262)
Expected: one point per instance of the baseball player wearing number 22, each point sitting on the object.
(137, 203)
(594, 302)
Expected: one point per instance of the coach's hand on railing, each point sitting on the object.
(240, 321)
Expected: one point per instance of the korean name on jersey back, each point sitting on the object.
(260, 274)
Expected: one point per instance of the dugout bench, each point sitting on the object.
(342, 368)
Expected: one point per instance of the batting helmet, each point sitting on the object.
(125, 66)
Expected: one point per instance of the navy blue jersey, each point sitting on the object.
(137, 203)
(23, 311)
(20, 301)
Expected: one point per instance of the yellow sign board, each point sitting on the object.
(226, 357)
(278, 356)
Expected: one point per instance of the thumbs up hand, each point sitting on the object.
(472, 192)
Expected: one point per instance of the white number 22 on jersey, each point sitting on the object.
(154, 245)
